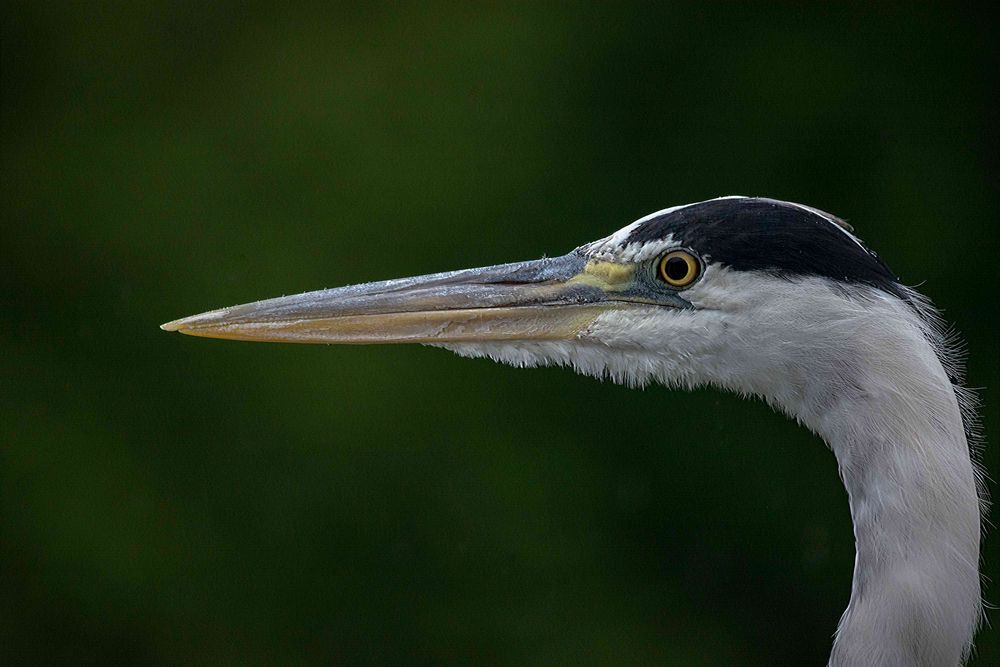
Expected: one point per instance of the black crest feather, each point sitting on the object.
(760, 234)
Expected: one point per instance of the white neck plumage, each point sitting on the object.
(896, 428)
(865, 372)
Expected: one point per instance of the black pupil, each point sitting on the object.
(677, 269)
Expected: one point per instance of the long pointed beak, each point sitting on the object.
(547, 299)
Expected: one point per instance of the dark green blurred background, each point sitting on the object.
(174, 500)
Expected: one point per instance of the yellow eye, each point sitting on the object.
(679, 268)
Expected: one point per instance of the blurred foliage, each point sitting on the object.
(174, 500)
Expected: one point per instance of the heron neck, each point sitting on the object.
(897, 432)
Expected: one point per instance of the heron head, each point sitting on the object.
(759, 296)
(681, 296)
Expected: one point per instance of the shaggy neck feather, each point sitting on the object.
(915, 598)
(893, 419)
(864, 375)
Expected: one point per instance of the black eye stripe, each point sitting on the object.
(754, 234)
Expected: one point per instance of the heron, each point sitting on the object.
(762, 297)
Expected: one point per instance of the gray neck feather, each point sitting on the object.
(867, 372)
(893, 419)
